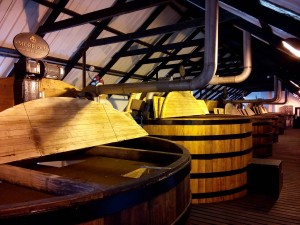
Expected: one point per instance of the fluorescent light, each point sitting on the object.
(292, 46)
(297, 96)
(296, 85)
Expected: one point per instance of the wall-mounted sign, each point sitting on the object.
(31, 45)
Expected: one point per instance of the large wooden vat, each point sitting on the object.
(263, 134)
(275, 125)
(281, 122)
(221, 148)
(89, 187)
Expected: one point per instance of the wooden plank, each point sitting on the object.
(56, 88)
(49, 183)
(58, 124)
(6, 93)
(157, 102)
(180, 103)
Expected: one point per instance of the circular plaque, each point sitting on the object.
(31, 45)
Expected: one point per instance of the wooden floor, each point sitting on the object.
(261, 209)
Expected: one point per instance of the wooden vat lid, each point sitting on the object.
(180, 103)
(57, 88)
(59, 124)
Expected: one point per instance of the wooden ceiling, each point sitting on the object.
(141, 41)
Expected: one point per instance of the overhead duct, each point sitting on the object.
(267, 101)
(199, 82)
(279, 92)
(286, 92)
(216, 79)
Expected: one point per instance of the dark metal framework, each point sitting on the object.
(268, 56)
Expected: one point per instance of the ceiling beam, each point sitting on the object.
(146, 56)
(206, 91)
(128, 44)
(9, 52)
(50, 19)
(269, 16)
(57, 9)
(188, 41)
(102, 14)
(161, 48)
(75, 14)
(175, 57)
(146, 33)
(92, 36)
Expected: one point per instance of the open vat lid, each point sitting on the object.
(178, 104)
(59, 124)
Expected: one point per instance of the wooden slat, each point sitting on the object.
(6, 93)
(180, 103)
(58, 124)
(49, 183)
(57, 88)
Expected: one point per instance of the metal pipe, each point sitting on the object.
(247, 65)
(267, 101)
(83, 69)
(279, 92)
(285, 99)
(199, 82)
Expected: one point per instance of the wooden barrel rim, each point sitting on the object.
(194, 121)
(99, 203)
(264, 116)
(261, 123)
(204, 137)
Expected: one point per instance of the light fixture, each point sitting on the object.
(293, 45)
(296, 85)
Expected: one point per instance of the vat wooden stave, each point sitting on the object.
(221, 148)
(275, 125)
(66, 195)
(281, 121)
(263, 147)
(263, 134)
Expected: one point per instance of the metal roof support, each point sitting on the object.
(101, 14)
(210, 64)
(144, 33)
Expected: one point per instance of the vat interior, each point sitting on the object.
(11, 194)
(97, 169)
(101, 165)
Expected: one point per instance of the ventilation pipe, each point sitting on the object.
(286, 92)
(264, 101)
(199, 82)
(279, 92)
(247, 65)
